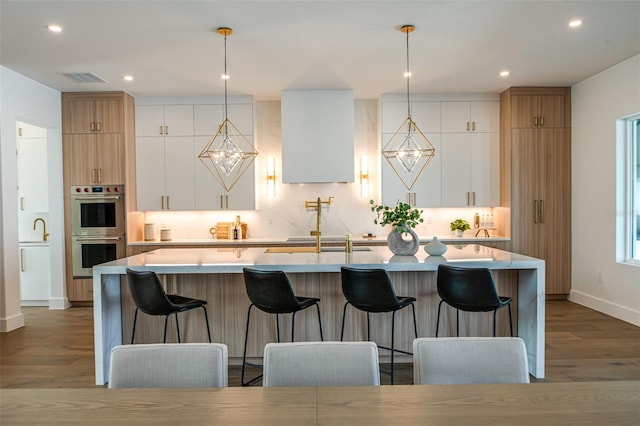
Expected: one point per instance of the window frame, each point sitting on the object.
(628, 203)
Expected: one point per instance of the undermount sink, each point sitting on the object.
(311, 249)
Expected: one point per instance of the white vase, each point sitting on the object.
(435, 247)
(459, 233)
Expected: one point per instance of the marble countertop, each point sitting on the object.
(232, 260)
(300, 240)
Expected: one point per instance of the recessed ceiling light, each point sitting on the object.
(54, 28)
(575, 23)
(128, 78)
(407, 74)
(225, 76)
(504, 73)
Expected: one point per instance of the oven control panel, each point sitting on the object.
(97, 190)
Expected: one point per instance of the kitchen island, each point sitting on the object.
(215, 275)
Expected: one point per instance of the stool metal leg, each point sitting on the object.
(133, 331)
(164, 337)
(393, 329)
(510, 321)
(293, 326)
(244, 354)
(494, 322)
(415, 324)
(344, 313)
(206, 320)
(458, 322)
(178, 328)
(320, 323)
(438, 320)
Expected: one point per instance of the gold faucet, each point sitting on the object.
(45, 235)
(318, 206)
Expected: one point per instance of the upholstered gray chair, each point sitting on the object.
(321, 364)
(169, 365)
(459, 360)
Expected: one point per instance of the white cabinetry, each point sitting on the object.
(164, 157)
(169, 138)
(35, 274)
(470, 154)
(33, 180)
(465, 134)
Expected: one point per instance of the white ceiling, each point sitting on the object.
(172, 47)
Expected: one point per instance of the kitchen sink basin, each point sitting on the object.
(311, 249)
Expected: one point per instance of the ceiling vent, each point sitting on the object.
(83, 77)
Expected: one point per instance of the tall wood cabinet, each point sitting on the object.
(98, 149)
(536, 177)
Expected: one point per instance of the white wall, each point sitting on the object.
(29, 101)
(596, 104)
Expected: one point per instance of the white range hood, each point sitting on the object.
(317, 136)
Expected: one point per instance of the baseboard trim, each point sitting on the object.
(11, 323)
(59, 303)
(617, 311)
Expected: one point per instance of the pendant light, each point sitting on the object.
(228, 154)
(409, 152)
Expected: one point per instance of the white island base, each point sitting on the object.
(215, 275)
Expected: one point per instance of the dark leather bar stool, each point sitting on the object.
(150, 298)
(471, 290)
(271, 292)
(371, 290)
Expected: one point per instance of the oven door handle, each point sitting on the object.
(98, 238)
(97, 198)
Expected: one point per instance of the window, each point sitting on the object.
(629, 200)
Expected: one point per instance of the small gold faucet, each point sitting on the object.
(318, 206)
(45, 235)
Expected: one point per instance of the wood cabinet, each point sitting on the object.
(536, 180)
(98, 149)
(169, 138)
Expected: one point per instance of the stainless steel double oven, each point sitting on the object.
(97, 226)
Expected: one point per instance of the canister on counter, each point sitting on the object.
(149, 231)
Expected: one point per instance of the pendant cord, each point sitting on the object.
(226, 77)
(408, 77)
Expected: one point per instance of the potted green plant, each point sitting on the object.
(403, 218)
(459, 226)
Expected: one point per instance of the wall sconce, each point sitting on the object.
(271, 178)
(364, 177)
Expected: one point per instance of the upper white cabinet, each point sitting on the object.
(33, 180)
(317, 136)
(169, 138)
(164, 120)
(465, 134)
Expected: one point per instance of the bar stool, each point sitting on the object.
(371, 290)
(150, 298)
(271, 292)
(470, 290)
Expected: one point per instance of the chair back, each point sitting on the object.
(169, 365)
(321, 364)
(369, 290)
(468, 289)
(469, 360)
(270, 291)
(147, 292)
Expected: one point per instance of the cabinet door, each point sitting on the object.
(241, 115)
(109, 152)
(484, 149)
(78, 116)
(456, 170)
(178, 120)
(206, 119)
(179, 173)
(242, 195)
(426, 115)
(555, 226)
(149, 120)
(550, 111)
(32, 175)
(35, 273)
(485, 116)
(150, 176)
(455, 117)
(109, 116)
(82, 166)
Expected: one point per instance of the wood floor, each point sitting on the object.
(55, 349)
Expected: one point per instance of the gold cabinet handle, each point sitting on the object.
(22, 268)
(541, 211)
(166, 130)
(19, 131)
(22, 203)
(542, 121)
(473, 194)
(467, 197)
(92, 127)
(473, 126)
(162, 201)
(226, 201)
(161, 130)
(467, 126)
(168, 208)
(98, 126)
(535, 121)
